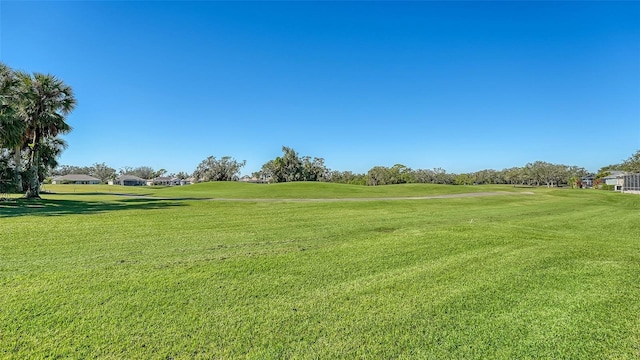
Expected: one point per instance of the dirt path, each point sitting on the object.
(446, 196)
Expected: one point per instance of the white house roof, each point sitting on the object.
(75, 177)
(614, 175)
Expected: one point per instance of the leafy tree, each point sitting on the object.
(401, 174)
(7, 180)
(62, 170)
(541, 172)
(159, 173)
(487, 176)
(397, 174)
(144, 172)
(574, 176)
(424, 176)
(632, 164)
(290, 167)
(464, 179)
(181, 175)
(442, 177)
(347, 177)
(127, 170)
(269, 172)
(50, 150)
(313, 169)
(103, 172)
(602, 174)
(378, 175)
(514, 175)
(223, 169)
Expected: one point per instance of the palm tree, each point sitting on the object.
(12, 127)
(45, 102)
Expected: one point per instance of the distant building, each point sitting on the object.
(255, 180)
(163, 180)
(587, 181)
(128, 180)
(188, 181)
(78, 179)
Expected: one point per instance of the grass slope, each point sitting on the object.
(554, 275)
(297, 190)
(312, 190)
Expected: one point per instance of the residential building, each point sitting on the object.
(78, 179)
(615, 179)
(128, 180)
(164, 180)
(587, 181)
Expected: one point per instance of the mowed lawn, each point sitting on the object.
(88, 274)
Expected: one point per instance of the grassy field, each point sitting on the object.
(85, 273)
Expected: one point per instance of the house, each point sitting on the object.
(587, 181)
(128, 180)
(188, 181)
(631, 183)
(255, 180)
(75, 179)
(615, 179)
(166, 181)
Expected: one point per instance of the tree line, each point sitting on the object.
(292, 167)
(631, 165)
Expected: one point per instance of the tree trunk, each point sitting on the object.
(17, 177)
(33, 187)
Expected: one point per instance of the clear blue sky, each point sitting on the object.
(460, 85)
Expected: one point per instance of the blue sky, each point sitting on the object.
(460, 85)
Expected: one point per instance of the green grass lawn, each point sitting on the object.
(87, 274)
